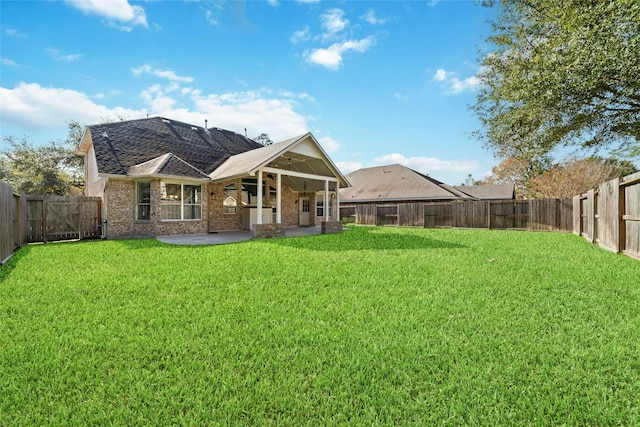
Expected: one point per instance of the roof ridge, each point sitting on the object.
(186, 163)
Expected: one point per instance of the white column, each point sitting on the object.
(326, 200)
(338, 201)
(259, 210)
(278, 199)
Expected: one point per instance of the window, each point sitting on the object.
(143, 201)
(230, 199)
(250, 191)
(180, 201)
(192, 202)
(320, 204)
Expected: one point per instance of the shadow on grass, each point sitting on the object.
(7, 267)
(363, 239)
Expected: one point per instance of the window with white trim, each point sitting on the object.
(179, 201)
(230, 199)
(320, 204)
(143, 201)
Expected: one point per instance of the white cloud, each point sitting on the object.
(332, 56)
(426, 165)
(308, 1)
(301, 35)
(113, 10)
(455, 84)
(31, 106)
(274, 3)
(8, 62)
(329, 144)
(12, 32)
(440, 75)
(59, 56)
(254, 110)
(333, 22)
(401, 96)
(211, 19)
(348, 166)
(371, 18)
(164, 74)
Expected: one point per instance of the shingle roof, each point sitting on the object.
(167, 165)
(394, 183)
(120, 146)
(489, 191)
(245, 162)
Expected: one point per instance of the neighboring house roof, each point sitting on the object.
(395, 183)
(489, 191)
(123, 148)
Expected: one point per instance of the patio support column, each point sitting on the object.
(259, 191)
(278, 199)
(338, 201)
(326, 200)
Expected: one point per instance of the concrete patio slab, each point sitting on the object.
(222, 237)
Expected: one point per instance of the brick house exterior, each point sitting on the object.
(161, 177)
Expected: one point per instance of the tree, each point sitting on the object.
(50, 169)
(575, 176)
(565, 179)
(263, 139)
(518, 172)
(563, 73)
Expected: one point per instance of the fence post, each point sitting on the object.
(44, 219)
(81, 218)
(622, 226)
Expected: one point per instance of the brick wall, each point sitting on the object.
(220, 221)
(120, 210)
(328, 227)
(263, 231)
(120, 201)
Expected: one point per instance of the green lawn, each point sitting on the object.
(372, 326)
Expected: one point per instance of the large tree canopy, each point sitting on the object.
(49, 169)
(563, 73)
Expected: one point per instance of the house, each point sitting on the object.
(158, 176)
(489, 191)
(395, 195)
(395, 183)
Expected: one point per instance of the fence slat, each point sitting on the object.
(8, 221)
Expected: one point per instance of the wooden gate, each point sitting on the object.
(509, 214)
(52, 218)
(387, 215)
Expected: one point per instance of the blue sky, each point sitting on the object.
(376, 82)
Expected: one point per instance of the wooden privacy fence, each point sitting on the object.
(537, 214)
(609, 215)
(28, 219)
(51, 218)
(10, 237)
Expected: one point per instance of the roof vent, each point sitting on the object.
(165, 121)
(194, 128)
(105, 135)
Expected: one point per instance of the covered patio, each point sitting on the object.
(300, 164)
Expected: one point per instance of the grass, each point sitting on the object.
(372, 326)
